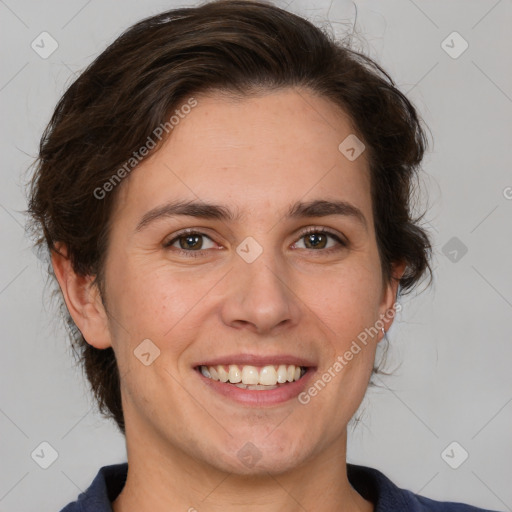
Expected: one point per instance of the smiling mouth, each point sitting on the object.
(254, 377)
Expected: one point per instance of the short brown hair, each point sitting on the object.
(235, 46)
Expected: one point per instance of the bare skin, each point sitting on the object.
(256, 157)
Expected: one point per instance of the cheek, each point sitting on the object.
(348, 300)
(350, 308)
(350, 312)
(167, 306)
(152, 303)
(158, 305)
(152, 297)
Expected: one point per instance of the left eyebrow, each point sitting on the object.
(202, 210)
(322, 208)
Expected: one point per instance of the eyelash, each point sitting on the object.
(200, 253)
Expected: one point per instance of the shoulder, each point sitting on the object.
(105, 487)
(376, 487)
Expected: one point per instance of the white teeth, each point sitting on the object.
(252, 377)
(223, 374)
(282, 374)
(268, 376)
(235, 375)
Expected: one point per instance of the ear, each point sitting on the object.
(388, 305)
(82, 299)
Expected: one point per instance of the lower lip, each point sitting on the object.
(259, 397)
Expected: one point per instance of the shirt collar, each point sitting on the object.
(370, 483)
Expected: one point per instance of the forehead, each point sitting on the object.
(256, 152)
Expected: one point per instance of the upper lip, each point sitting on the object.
(256, 360)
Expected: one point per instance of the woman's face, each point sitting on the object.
(251, 288)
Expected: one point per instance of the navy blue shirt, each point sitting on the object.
(368, 482)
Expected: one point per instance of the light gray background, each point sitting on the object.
(454, 340)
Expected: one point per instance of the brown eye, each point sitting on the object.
(190, 242)
(317, 239)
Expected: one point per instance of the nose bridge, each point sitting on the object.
(259, 295)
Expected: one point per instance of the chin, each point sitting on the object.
(263, 454)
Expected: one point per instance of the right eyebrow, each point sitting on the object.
(189, 208)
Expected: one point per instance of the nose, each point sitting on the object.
(259, 297)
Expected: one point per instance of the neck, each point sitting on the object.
(163, 479)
